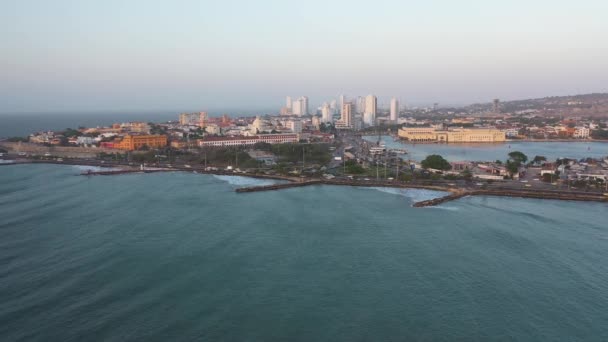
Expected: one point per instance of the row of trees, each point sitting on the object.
(514, 162)
(293, 153)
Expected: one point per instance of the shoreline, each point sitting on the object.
(454, 192)
(508, 141)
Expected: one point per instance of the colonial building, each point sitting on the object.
(242, 140)
(136, 142)
(459, 135)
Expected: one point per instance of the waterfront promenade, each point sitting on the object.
(455, 191)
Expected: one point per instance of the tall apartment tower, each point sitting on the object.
(394, 109)
(371, 106)
(288, 102)
(202, 119)
(326, 113)
(360, 104)
(496, 106)
(304, 100)
(347, 114)
(296, 107)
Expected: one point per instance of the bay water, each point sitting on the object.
(182, 257)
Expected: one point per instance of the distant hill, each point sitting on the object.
(595, 104)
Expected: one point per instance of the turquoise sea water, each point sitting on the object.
(182, 257)
(491, 152)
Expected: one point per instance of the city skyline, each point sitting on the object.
(89, 56)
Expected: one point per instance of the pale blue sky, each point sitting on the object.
(195, 55)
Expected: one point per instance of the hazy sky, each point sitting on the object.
(208, 55)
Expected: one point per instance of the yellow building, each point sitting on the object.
(459, 135)
(135, 142)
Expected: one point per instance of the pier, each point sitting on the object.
(454, 193)
(553, 195)
(119, 172)
(278, 186)
(440, 200)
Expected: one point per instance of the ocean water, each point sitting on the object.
(182, 257)
(23, 124)
(486, 152)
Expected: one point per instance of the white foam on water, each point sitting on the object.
(84, 168)
(245, 181)
(415, 195)
(5, 161)
(442, 208)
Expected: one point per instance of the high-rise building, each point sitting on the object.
(288, 102)
(394, 114)
(326, 113)
(496, 106)
(192, 118)
(296, 108)
(202, 119)
(333, 104)
(316, 122)
(304, 100)
(341, 101)
(347, 114)
(371, 106)
(360, 103)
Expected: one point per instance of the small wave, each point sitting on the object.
(94, 168)
(443, 208)
(6, 161)
(416, 195)
(245, 181)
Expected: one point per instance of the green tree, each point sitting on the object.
(18, 139)
(353, 167)
(70, 132)
(512, 167)
(435, 161)
(539, 159)
(518, 157)
(599, 134)
(467, 175)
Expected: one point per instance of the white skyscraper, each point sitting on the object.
(347, 114)
(394, 109)
(296, 107)
(326, 113)
(288, 103)
(304, 100)
(333, 105)
(360, 105)
(341, 101)
(371, 105)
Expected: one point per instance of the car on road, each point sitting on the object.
(22, 154)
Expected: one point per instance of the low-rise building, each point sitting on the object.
(136, 142)
(251, 140)
(458, 135)
(581, 132)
